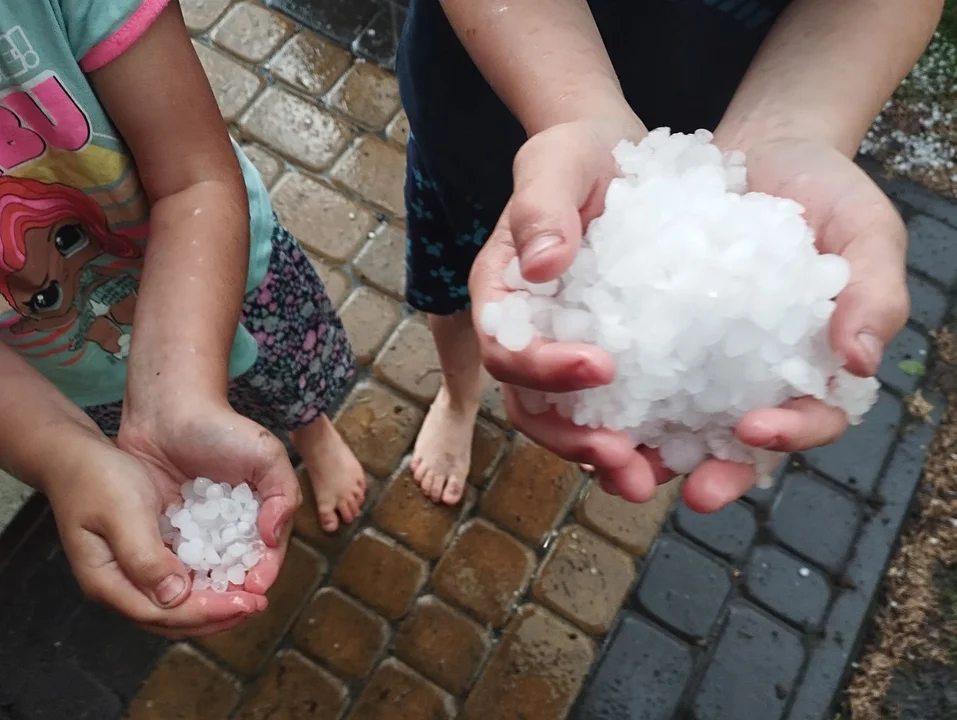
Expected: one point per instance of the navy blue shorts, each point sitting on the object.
(445, 231)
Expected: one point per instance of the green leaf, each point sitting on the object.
(912, 367)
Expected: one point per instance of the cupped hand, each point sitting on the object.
(561, 176)
(182, 438)
(107, 506)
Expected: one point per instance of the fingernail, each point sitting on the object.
(539, 245)
(170, 589)
(873, 348)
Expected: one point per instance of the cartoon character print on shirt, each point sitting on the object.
(63, 270)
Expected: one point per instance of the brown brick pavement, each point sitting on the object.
(489, 610)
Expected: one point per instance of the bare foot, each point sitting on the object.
(443, 450)
(337, 477)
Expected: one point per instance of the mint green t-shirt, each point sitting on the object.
(74, 218)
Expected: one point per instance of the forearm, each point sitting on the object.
(544, 58)
(191, 291)
(39, 426)
(827, 68)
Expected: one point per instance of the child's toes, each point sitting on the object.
(328, 520)
(453, 490)
(347, 510)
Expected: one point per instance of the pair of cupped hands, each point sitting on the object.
(108, 514)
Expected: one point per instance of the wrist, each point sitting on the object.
(601, 103)
(746, 130)
(49, 466)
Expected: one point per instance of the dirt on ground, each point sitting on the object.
(915, 136)
(909, 669)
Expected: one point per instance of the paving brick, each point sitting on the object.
(917, 197)
(294, 689)
(909, 345)
(410, 361)
(185, 686)
(493, 401)
(233, 85)
(269, 166)
(376, 171)
(368, 94)
(488, 446)
(58, 689)
(385, 576)
(856, 459)
(111, 648)
(336, 281)
(379, 41)
(201, 14)
(930, 249)
(342, 20)
(408, 515)
(928, 306)
(535, 672)
(532, 491)
(824, 678)
(381, 263)
(727, 532)
(764, 497)
(379, 426)
(442, 644)
(310, 63)
(683, 587)
(642, 674)
(398, 130)
(344, 635)
(247, 647)
(369, 318)
(396, 692)
(815, 520)
(322, 219)
(584, 579)
(251, 32)
(484, 571)
(752, 672)
(306, 521)
(297, 130)
(631, 526)
(787, 586)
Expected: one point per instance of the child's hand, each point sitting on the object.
(178, 440)
(107, 512)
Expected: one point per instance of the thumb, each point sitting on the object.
(145, 560)
(870, 311)
(557, 178)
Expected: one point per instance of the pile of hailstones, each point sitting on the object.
(713, 301)
(215, 532)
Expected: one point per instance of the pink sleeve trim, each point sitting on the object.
(124, 38)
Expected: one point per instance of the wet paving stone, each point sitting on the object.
(310, 63)
(584, 579)
(554, 659)
(342, 20)
(928, 305)
(395, 692)
(442, 644)
(728, 532)
(909, 346)
(930, 249)
(787, 586)
(755, 666)
(380, 40)
(856, 459)
(682, 587)
(294, 689)
(632, 526)
(815, 520)
(343, 634)
(642, 673)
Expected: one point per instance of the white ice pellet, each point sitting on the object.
(712, 300)
(214, 532)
